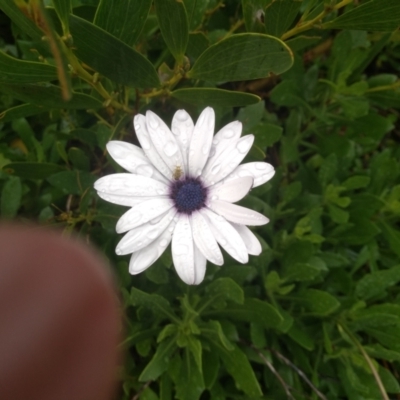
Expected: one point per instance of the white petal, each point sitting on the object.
(128, 201)
(200, 144)
(228, 160)
(182, 127)
(223, 138)
(140, 237)
(253, 245)
(164, 141)
(200, 263)
(142, 259)
(237, 214)
(125, 184)
(261, 172)
(205, 240)
(231, 191)
(133, 159)
(226, 236)
(183, 250)
(139, 123)
(143, 213)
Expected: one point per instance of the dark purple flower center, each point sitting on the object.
(189, 195)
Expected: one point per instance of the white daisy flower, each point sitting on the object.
(181, 186)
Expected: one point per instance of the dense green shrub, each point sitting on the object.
(317, 314)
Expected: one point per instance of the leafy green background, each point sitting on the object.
(317, 315)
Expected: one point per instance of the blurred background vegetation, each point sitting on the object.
(317, 315)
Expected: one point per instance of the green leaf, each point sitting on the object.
(227, 289)
(21, 111)
(174, 25)
(376, 316)
(214, 97)
(375, 15)
(188, 379)
(123, 19)
(300, 336)
(13, 70)
(32, 170)
(388, 337)
(113, 58)
(156, 303)
(210, 368)
(72, 182)
(159, 362)
(356, 182)
(242, 57)
(194, 345)
(11, 194)
(213, 329)
(280, 15)
(376, 283)
(266, 134)
(319, 302)
(239, 367)
(20, 17)
(148, 394)
(378, 351)
(301, 272)
(79, 159)
(253, 310)
(63, 9)
(50, 96)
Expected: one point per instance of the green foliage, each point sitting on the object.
(317, 314)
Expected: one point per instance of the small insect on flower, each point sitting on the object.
(177, 173)
(180, 187)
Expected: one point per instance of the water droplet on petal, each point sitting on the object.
(145, 170)
(181, 115)
(145, 142)
(153, 234)
(170, 149)
(163, 242)
(152, 120)
(205, 149)
(216, 168)
(243, 146)
(137, 127)
(228, 133)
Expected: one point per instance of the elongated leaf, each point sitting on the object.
(238, 366)
(111, 57)
(174, 25)
(23, 110)
(215, 97)
(160, 360)
(123, 19)
(13, 70)
(32, 170)
(158, 304)
(11, 197)
(320, 302)
(253, 310)
(377, 282)
(375, 15)
(72, 182)
(20, 17)
(50, 96)
(280, 15)
(226, 288)
(63, 9)
(242, 57)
